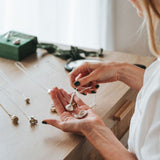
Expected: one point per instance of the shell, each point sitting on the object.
(69, 107)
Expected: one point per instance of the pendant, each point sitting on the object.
(81, 114)
(69, 107)
(33, 121)
(27, 100)
(14, 119)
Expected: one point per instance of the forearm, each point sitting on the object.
(131, 75)
(107, 144)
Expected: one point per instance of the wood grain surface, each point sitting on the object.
(44, 141)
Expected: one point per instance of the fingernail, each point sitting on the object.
(77, 83)
(93, 91)
(44, 122)
(97, 86)
(83, 93)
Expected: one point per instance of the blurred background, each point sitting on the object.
(110, 24)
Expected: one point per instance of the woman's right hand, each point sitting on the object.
(91, 74)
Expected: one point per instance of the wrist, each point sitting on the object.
(120, 69)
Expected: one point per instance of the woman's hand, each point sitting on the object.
(68, 122)
(91, 74)
(91, 126)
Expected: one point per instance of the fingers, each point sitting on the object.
(53, 122)
(76, 73)
(57, 101)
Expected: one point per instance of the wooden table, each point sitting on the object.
(44, 141)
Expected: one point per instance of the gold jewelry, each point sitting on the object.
(53, 109)
(31, 119)
(5, 77)
(12, 117)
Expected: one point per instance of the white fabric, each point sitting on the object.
(144, 135)
(85, 23)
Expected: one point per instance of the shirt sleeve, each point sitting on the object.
(150, 150)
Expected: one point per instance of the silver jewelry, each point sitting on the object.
(20, 66)
(12, 117)
(29, 118)
(17, 41)
(33, 121)
(69, 107)
(7, 36)
(81, 114)
(5, 77)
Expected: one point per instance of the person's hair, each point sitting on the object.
(151, 17)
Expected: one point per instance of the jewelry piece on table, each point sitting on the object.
(53, 109)
(20, 66)
(81, 114)
(7, 36)
(5, 77)
(12, 117)
(69, 107)
(31, 119)
(17, 41)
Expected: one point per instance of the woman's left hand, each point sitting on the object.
(68, 122)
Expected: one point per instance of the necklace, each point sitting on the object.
(4, 76)
(33, 121)
(20, 66)
(12, 117)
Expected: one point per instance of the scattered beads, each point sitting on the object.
(27, 100)
(14, 119)
(33, 121)
(53, 109)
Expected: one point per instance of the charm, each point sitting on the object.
(27, 100)
(33, 121)
(69, 107)
(13, 117)
(81, 114)
(17, 42)
(53, 109)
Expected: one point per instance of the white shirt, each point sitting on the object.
(144, 134)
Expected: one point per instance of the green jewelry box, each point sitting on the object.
(17, 46)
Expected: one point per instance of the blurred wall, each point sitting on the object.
(126, 26)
